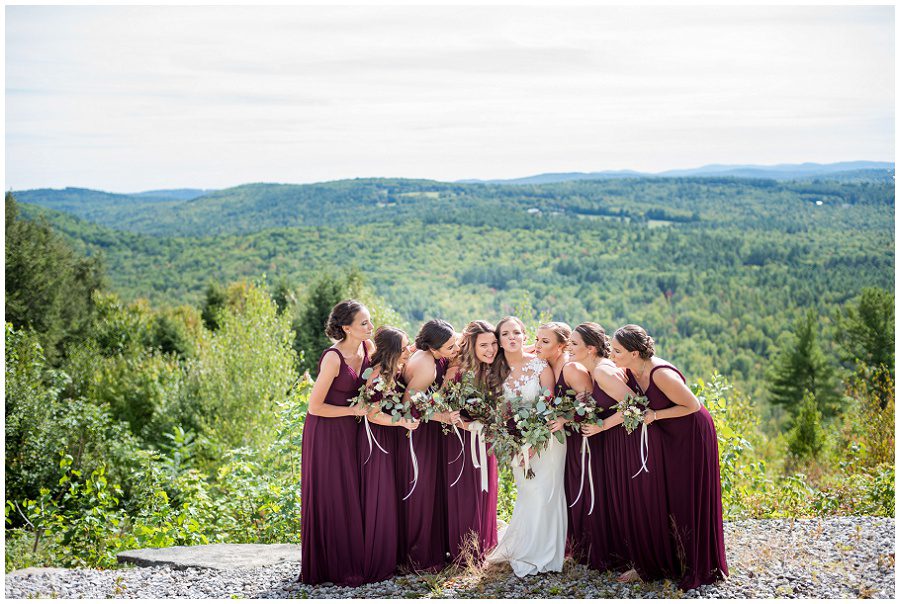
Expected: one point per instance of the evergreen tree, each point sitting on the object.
(807, 437)
(48, 287)
(283, 295)
(867, 330)
(801, 366)
(309, 325)
(213, 304)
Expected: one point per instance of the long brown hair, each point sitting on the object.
(484, 378)
(500, 368)
(388, 350)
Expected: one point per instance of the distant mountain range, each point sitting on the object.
(172, 194)
(850, 170)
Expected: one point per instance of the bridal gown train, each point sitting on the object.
(535, 540)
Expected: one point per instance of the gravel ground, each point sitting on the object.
(819, 558)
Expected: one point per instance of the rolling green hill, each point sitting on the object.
(715, 268)
(250, 208)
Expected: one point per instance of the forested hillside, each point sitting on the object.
(717, 268)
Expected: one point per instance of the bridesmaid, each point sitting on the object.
(681, 538)
(423, 514)
(551, 344)
(587, 352)
(381, 503)
(609, 455)
(472, 512)
(331, 529)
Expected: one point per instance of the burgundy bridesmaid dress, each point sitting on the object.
(676, 531)
(605, 526)
(423, 515)
(470, 510)
(577, 536)
(331, 527)
(614, 467)
(380, 500)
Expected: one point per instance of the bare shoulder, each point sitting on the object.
(331, 362)
(420, 370)
(574, 368)
(418, 360)
(667, 374)
(607, 369)
(370, 346)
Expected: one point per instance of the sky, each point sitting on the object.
(129, 99)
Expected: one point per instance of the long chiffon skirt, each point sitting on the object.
(471, 512)
(380, 501)
(694, 487)
(423, 515)
(331, 525)
(612, 470)
(676, 528)
(577, 534)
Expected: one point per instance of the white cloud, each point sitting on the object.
(131, 98)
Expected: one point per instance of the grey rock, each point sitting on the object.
(220, 556)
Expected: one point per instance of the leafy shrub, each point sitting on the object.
(40, 423)
(238, 374)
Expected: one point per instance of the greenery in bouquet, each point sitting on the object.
(426, 404)
(632, 408)
(390, 403)
(578, 409)
(531, 423)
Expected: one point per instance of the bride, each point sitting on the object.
(535, 540)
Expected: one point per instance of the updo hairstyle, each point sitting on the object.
(594, 335)
(635, 338)
(341, 315)
(561, 330)
(434, 334)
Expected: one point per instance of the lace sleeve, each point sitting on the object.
(536, 366)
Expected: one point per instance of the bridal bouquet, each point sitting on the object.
(632, 408)
(531, 424)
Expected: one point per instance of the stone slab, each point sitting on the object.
(218, 556)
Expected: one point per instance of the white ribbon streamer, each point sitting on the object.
(527, 459)
(479, 452)
(370, 436)
(585, 454)
(645, 451)
(415, 464)
(590, 478)
(462, 446)
(462, 449)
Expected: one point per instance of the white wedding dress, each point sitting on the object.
(535, 540)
